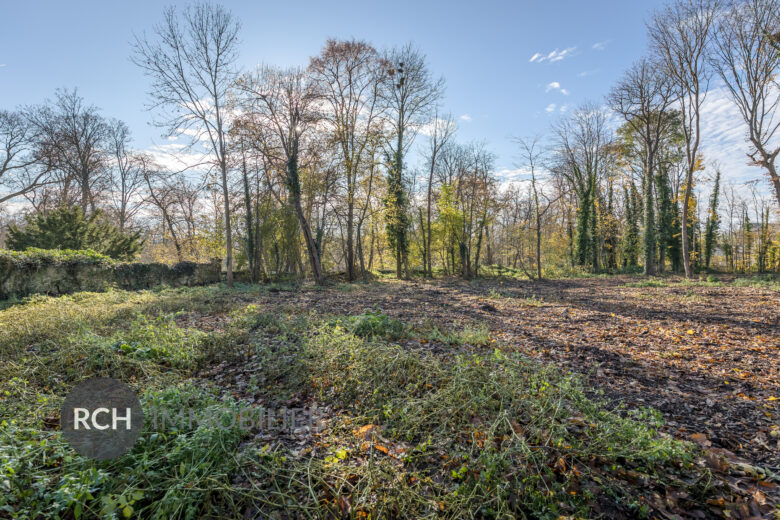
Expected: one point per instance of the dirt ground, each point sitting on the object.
(707, 357)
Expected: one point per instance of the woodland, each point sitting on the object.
(597, 337)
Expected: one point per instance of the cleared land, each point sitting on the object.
(620, 397)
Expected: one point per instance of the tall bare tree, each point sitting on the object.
(348, 75)
(22, 169)
(747, 61)
(442, 131)
(643, 97)
(532, 156)
(126, 174)
(191, 60)
(279, 106)
(73, 137)
(581, 147)
(680, 34)
(410, 94)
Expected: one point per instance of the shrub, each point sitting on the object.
(33, 257)
(373, 323)
(68, 228)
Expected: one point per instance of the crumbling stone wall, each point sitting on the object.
(21, 276)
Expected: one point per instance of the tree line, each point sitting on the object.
(349, 164)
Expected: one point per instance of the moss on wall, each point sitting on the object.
(61, 272)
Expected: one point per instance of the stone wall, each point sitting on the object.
(21, 276)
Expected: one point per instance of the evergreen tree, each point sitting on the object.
(711, 232)
(649, 234)
(397, 218)
(68, 228)
(747, 250)
(631, 235)
(675, 246)
(665, 217)
(764, 241)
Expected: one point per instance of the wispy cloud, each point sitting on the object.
(2, 64)
(564, 108)
(550, 107)
(466, 118)
(723, 136)
(556, 86)
(599, 46)
(553, 56)
(513, 174)
(430, 127)
(175, 156)
(586, 73)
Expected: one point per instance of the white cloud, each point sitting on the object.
(723, 134)
(564, 108)
(600, 46)
(177, 157)
(556, 86)
(585, 73)
(550, 107)
(428, 128)
(553, 56)
(2, 64)
(466, 118)
(512, 174)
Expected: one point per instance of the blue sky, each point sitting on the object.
(483, 50)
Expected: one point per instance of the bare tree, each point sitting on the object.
(747, 62)
(192, 65)
(126, 175)
(73, 137)
(280, 108)
(441, 133)
(532, 156)
(643, 97)
(581, 148)
(680, 35)
(348, 75)
(160, 190)
(410, 94)
(22, 169)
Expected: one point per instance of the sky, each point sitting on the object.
(511, 68)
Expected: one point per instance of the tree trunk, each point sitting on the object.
(350, 233)
(649, 249)
(770, 166)
(228, 230)
(428, 238)
(314, 257)
(538, 244)
(686, 203)
(250, 229)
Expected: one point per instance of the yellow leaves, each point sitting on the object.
(363, 431)
(699, 164)
(338, 455)
(773, 398)
(690, 332)
(382, 448)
